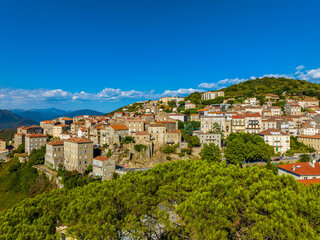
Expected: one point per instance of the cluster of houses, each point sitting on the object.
(75, 138)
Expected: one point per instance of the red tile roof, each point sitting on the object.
(271, 131)
(247, 114)
(35, 135)
(143, 133)
(56, 143)
(302, 169)
(309, 181)
(101, 158)
(78, 140)
(317, 136)
(119, 127)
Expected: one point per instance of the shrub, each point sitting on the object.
(140, 147)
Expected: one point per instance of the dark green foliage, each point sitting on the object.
(73, 179)
(304, 158)
(20, 149)
(244, 147)
(37, 156)
(127, 139)
(140, 147)
(271, 85)
(172, 104)
(298, 147)
(193, 141)
(177, 200)
(170, 149)
(109, 153)
(7, 134)
(194, 98)
(188, 128)
(14, 167)
(217, 100)
(88, 170)
(210, 153)
(186, 151)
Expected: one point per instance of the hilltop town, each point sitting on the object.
(146, 133)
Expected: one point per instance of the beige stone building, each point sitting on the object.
(173, 136)
(30, 129)
(54, 154)
(276, 111)
(212, 95)
(280, 141)
(19, 138)
(59, 129)
(268, 123)
(292, 108)
(311, 141)
(252, 122)
(170, 125)
(238, 123)
(158, 133)
(3, 144)
(208, 137)
(135, 125)
(78, 154)
(195, 117)
(142, 137)
(48, 125)
(34, 141)
(114, 133)
(103, 167)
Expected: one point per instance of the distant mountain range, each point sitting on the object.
(83, 112)
(10, 120)
(39, 115)
(20, 117)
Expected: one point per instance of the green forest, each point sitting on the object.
(177, 200)
(271, 85)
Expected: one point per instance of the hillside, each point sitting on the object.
(178, 200)
(11, 120)
(39, 115)
(83, 112)
(267, 85)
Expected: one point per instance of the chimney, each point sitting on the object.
(313, 163)
(293, 168)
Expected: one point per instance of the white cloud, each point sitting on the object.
(310, 75)
(20, 97)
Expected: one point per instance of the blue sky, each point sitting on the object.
(105, 54)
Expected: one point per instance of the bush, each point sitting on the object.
(169, 158)
(127, 139)
(170, 149)
(14, 167)
(140, 147)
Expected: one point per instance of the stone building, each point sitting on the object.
(34, 141)
(78, 154)
(54, 154)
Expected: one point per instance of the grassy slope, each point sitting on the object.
(25, 182)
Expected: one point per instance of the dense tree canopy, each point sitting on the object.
(244, 147)
(178, 200)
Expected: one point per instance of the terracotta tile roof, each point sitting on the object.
(56, 143)
(309, 181)
(35, 135)
(203, 110)
(272, 131)
(237, 116)
(19, 134)
(66, 118)
(173, 131)
(33, 126)
(317, 136)
(157, 125)
(247, 114)
(143, 133)
(119, 127)
(101, 158)
(302, 169)
(165, 121)
(78, 140)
